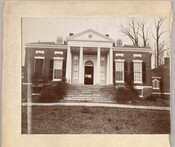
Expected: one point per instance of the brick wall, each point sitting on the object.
(48, 54)
(128, 57)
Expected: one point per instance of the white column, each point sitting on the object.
(111, 66)
(69, 65)
(98, 66)
(81, 66)
(107, 72)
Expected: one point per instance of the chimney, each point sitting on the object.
(70, 34)
(107, 35)
(167, 60)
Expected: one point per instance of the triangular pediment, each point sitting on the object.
(90, 35)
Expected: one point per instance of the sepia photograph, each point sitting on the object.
(95, 75)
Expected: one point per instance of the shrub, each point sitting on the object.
(151, 98)
(133, 92)
(123, 95)
(53, 92)
(127, 93)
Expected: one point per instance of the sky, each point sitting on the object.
(48, 29)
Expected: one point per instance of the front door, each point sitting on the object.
(88, 77)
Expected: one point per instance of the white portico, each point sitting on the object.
(89, 58)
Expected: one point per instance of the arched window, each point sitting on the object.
(119, 42)
(156, 84)
(60, 40)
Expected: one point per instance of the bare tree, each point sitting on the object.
(131, 30)
(159, 45)
(143, 33)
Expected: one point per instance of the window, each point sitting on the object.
(38, 67)
(119, 42)
(75, 57)
(75, 71)
(138, 71)
(156, 84)
(119, 67)
(57, 71)
(102, 75)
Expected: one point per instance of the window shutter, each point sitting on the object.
(38, 68)
(144, 72)
(64, 69)
(51, 70)
(114, 73)
(131, 72)
(125, 71)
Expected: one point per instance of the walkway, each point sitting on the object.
(99, 105)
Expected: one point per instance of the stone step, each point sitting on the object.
(90, 93)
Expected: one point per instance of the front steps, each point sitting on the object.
(90, 93)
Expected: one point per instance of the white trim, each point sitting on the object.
(156, 88)
(157, 77)
(119, 81)
(39, 57)
(58, 52)
(138, 82)
(27, 83)
(58, 58)
(161, 93)
(120, 60)
(142, 87)
(90, 30)
(147, 86)
(137, 60)
(155, 80)
(56, 80)
(39, 52)
(46, 46)
(137, 55)
(35, 93)
(138, 87)
(117, 54)
(128, 49)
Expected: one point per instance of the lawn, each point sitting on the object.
(96, 120)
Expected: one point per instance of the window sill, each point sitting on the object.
(156, 88)
(119, 81)
(138, 82)
(141, 96)
(56, 80)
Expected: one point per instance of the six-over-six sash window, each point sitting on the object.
(119, 68)
(57, 70)
(137, 72)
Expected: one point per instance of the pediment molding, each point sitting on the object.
(90, 35)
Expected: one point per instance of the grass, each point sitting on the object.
(157, 102)
(96, 120)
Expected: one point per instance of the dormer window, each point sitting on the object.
(119, 42)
